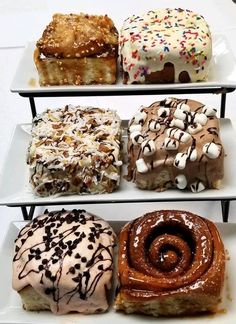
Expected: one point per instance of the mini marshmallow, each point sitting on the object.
(200, 118)
(180, 160)
(192, 154)
(135, 128)
(136, 137)
(168, 101)
(197, 186)
(181, 181)
(194, 128)
(141, 166)
(140, 117)
(148, 147)
(178, 134)
(209, 111)
(177, 123)
(183, 106)
(154, 126)
(163, 112)
(211, 150)
(181, 114)
(170, 144)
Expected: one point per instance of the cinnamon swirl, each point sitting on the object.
(170, 263)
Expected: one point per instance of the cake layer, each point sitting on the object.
(170, 263)
(63, 261)
(165, 46)
(75, 71)
(175, 143)
(75, 150)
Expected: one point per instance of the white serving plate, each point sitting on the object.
(11, 309)
(15, 189)
(222, 74)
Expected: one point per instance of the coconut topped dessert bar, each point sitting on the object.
(75, 150)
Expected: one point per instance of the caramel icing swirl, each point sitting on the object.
(170, 250)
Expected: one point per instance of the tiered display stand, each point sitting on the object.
(131, 90)
(14, 187)
(222, 80)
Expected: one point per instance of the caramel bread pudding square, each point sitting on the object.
(175, 143)
(77, 49)
(165, 46)
(75, 150)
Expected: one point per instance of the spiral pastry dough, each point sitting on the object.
(170, 263)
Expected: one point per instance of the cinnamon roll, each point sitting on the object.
(64, 262)
(170, 263)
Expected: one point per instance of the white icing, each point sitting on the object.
(66, 228)
(181, 37)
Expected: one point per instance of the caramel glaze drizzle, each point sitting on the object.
(62, 246)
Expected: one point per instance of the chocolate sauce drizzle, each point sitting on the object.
(64, 246)
(190, 150)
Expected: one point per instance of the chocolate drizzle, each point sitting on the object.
(79, 241)
(179, 141)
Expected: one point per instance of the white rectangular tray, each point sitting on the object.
(11, 309)
(15, 189)
(222, 74)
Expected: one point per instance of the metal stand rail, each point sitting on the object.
(225, 203)
(214, 90)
